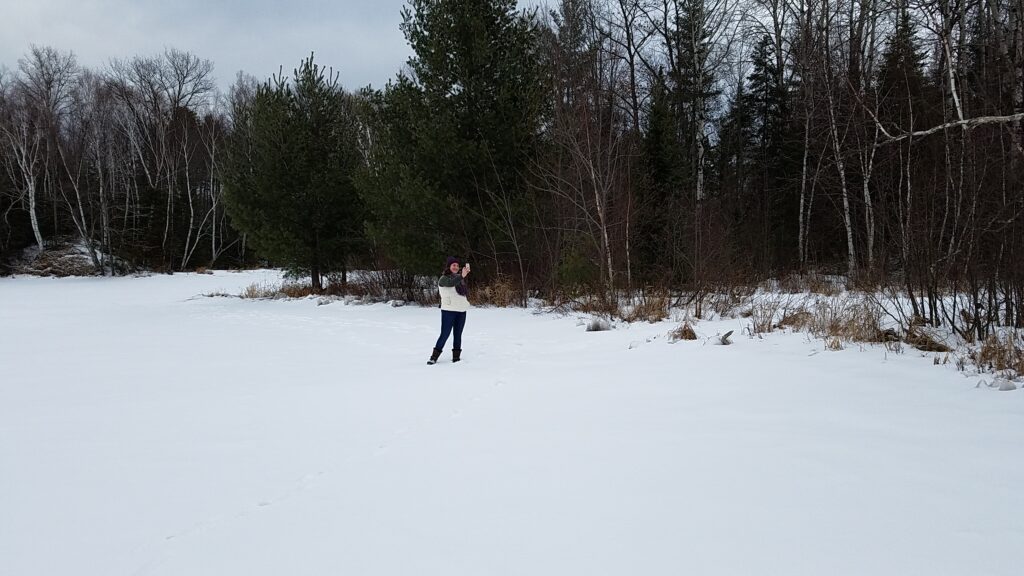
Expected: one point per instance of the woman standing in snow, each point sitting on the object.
(452, 288)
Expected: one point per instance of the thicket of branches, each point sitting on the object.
(124, 161)
(596, 146)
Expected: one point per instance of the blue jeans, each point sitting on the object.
(449, 320)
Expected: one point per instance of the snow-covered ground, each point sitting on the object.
(144, 431)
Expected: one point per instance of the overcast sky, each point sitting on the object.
(359, 38)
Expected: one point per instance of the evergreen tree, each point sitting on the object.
(289, 175)
(767, 97)
(693, 92)
(901, 78)
(457, 133)
(410, 221)
(906, 102)
(693, 76)
(735, 152)
(660, 198)
(770, 195)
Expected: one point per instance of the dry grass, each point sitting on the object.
(358, 288)
(840, 319)
(895, 346)
(383, 286)
(920, 339)
(809, 283)
(798, 319)
(849, 320)
(969, 322)
(386, 284)
(819, 284)
(651, 308)
(368, 285)
(598, 325)
(259, 290)
(683, 332)
(271, 290)
(725, 302)
(501, 293)
(296, 290)
(599, 305)
(765, 310)
(267, 290)
(792, 284)
(427, 297)
(999, 353)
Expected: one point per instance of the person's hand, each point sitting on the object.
(465, 270)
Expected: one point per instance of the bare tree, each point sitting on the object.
(34, 106)
(154, 91)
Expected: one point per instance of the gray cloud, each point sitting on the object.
(360, 39)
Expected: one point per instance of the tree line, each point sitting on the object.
(595, 145)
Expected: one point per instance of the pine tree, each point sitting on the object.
(473, 96)
(692, 85)
(735, 152)
(767, 105)
(289, 175)
(901, 78)
(410, 221)
(661, 203)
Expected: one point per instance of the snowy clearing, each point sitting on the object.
(145, 431)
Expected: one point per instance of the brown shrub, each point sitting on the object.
(683, 332)
(385, 285)
(833, 343)
(726, 300)
(969, 324)
(63, 260)
(894, 345)
(764, 311)
(501, 293)
(792, 284)
(796, 319)
(296, 290)
(258, 290)
(840, 319)
(819, 284)
(864, 324)
(427, 297)
(809, 282)
(1000, 353)
(357, 287)
(849, 320)
(370, 287)
(923, 341)
(598, 305)
(651, 308)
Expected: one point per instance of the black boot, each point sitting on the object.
(434, 356)
(456, 354)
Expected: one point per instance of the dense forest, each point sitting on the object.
(597, 145)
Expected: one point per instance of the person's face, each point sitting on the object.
(454, 268)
